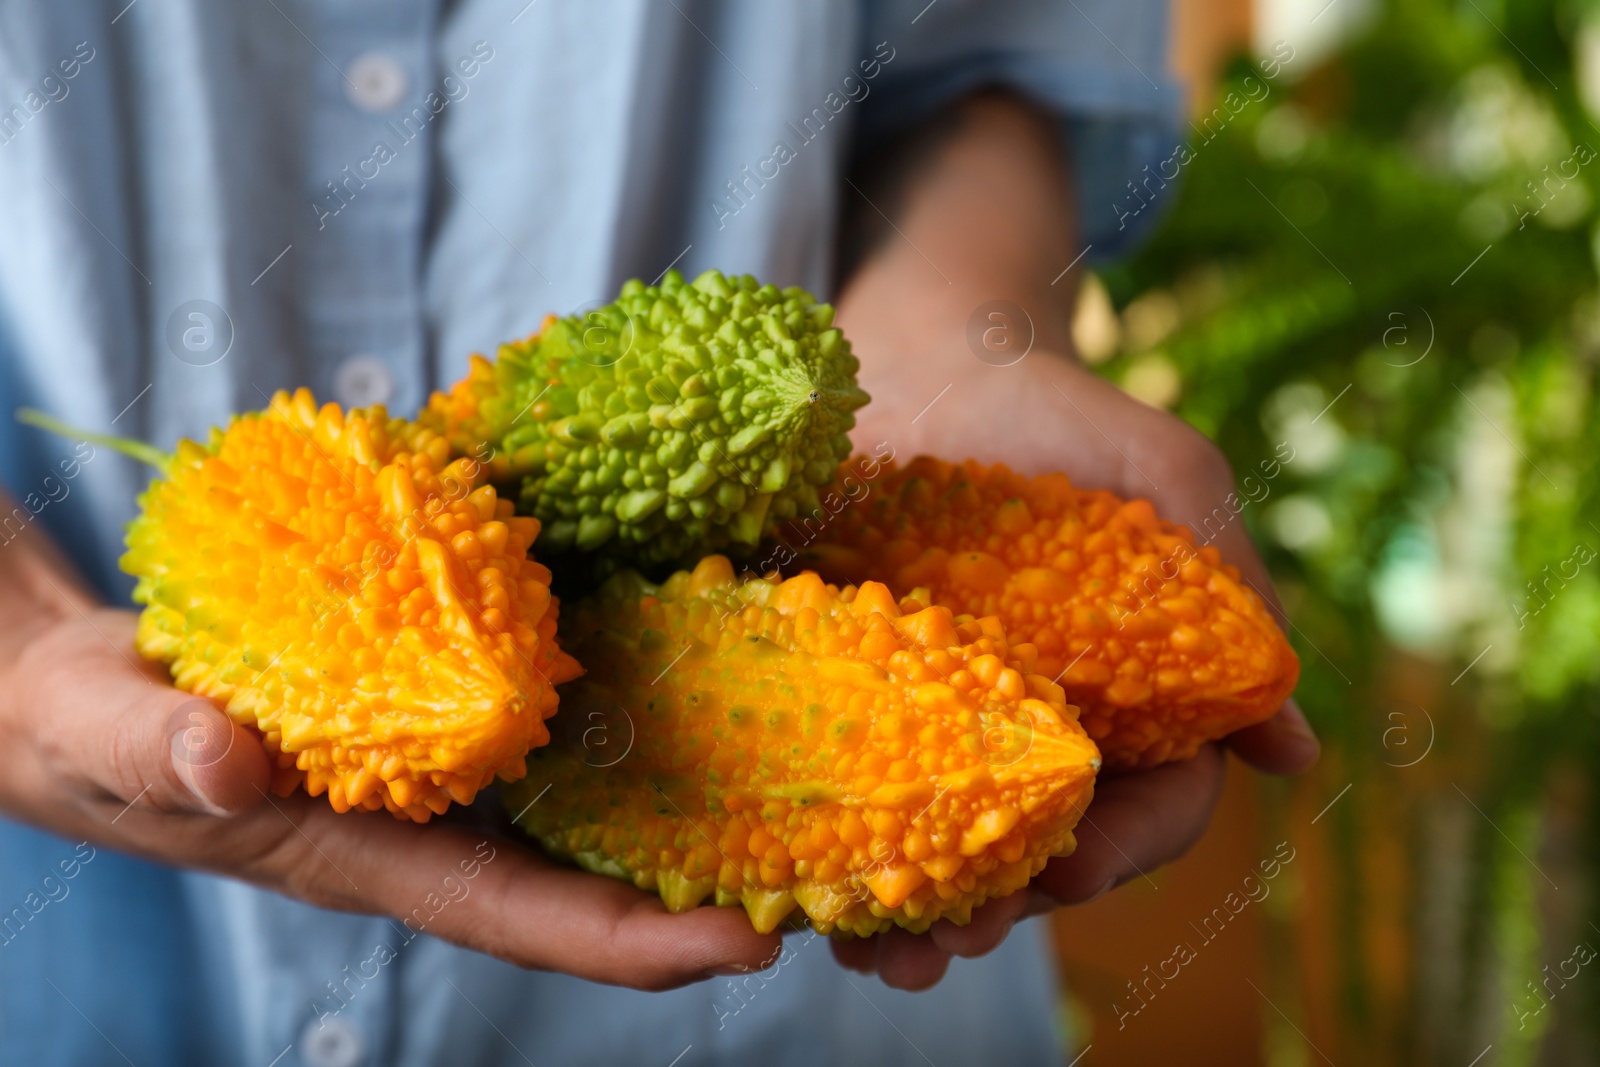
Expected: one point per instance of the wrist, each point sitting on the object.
(985, 217)
(899, 297)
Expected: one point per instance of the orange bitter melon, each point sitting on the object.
(793, 744)
(342, 585)
(1160, 643)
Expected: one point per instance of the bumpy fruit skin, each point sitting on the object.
(796, 744)
(338, 583)
(1160, 643)
(678, 419)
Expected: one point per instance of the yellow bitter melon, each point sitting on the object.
(338, 583)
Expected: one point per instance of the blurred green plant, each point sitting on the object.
(1387, 265)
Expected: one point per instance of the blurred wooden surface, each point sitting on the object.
(1205, 33)
(1208, 1014)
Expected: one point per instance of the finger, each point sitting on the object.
(910, 961)
(1137, 823)
(221, 762)
(125, 738)
(1041, 902)
(858, 954)
(499, 897)
(989, 926)
(1283, 744)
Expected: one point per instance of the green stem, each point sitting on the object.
(139, 450)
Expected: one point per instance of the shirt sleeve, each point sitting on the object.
(1099, 64)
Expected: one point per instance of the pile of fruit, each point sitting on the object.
(905, 724)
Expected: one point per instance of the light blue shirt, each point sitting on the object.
(201, 203)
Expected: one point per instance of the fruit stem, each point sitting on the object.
(139, 450)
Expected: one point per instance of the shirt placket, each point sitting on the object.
(376, 105)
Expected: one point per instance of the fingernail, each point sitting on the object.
(186, 773)
(199, 737)
(1299, 730)
(727, 970)
(1111, 884)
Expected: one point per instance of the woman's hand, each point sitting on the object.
(101, 748)
(961, 318)
(1046, 413)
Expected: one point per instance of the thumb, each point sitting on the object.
(220, 763)
(115, 726)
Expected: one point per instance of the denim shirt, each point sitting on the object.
(201, 203)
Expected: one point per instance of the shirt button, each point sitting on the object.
(332, 1043)
(362, 381)
(375, 82)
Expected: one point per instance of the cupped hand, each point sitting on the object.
(101, 748)
(1044, 413)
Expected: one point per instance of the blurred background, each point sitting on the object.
(1375, 287)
